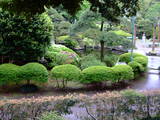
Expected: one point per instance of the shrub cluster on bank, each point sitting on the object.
(139, 63)
(102, 73)
(35, 72)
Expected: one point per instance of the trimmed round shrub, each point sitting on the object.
(97, 74)
(142, 60)
(126, 57)
(137, 67)
(51, 116)
(123, 72)
(34, 72)
(66, 73)
(9, 73)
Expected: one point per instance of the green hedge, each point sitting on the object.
(137, 67)
(126, 57)
(65, 73)
(9, 73)
(34, 72)
(97, 74)
(123, 72)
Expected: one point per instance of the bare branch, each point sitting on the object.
(89, 113)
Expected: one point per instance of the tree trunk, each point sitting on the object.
(28, 82)
(102, 42)
(154, 38)
(57, 83)
(85, 48)
(102, 50)
(102, 25)
(63, 83)
(159, 32)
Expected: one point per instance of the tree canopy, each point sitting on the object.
(112, 8)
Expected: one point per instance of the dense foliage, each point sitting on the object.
(137, 67)
(59, 55)
(110, 60)
(21, 40)
(13, 74)
(123, 72)
(9, 73)
(122, 33)
(142, 60)
(65, 73)
(112, 8)
(97, 74)
(34, 72)
(126, 57)
(139, 63)
(61, 25)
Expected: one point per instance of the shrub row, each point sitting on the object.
(139, 63)
(10, 73)
(98, 73)
(91, 75)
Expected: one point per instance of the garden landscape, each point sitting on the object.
(80, 60)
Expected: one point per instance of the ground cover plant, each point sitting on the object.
(59, 55)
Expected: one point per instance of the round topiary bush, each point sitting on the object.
(9, 73)
(137, 67)
(142, 60)
(123, 72)
(65, 73)
(34, 72)
(126, 57)
(97, 74)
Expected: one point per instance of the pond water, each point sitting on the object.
(151, 80)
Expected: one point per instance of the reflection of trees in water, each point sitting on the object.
(127, 108)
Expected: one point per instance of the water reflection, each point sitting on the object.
(151, 80)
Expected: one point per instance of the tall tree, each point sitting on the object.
(23, 41)
(113, 8)
(61, 26)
